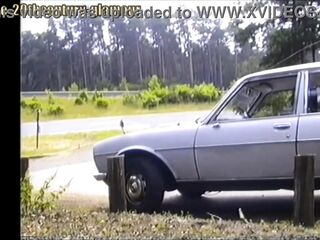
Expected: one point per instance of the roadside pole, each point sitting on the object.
(304, 190)
(38, 128)
(116, 182)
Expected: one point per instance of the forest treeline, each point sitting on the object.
(99, 54)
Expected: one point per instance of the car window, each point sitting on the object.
(262, 98)
(240, 104)
(276, 104)
(314, 93)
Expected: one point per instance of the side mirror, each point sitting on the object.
(198, 119)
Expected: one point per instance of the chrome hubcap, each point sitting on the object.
(135, 188)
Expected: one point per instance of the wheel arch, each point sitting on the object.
(159, 161)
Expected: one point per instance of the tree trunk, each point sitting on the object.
(314, 53)
(210, 64)
(220, 66)
(83, 66)
(59, 75)
(159, 55)
(191, 66)
(121, 65)
(139, 61)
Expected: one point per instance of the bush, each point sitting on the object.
(84, 96)
(129, 99)
(50, 97)
(23, 104)
(162, 93)
(78, 101)
(173, 96)
(40, 201)
(123, 86)
(102, 103)
(96, 95)
(32, 104)
(184, 93)
(155, 83)
(149, 99)
(55, 110)
(205, 93)
(73, 87)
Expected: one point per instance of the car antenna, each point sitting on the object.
(122, 126)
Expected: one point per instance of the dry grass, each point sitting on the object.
(99, 223)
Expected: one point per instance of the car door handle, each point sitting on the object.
(282, 126)
(216, 125)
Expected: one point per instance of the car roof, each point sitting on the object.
(294, 68)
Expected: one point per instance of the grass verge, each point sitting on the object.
(50, 145)
(116, 108)
(99, 223)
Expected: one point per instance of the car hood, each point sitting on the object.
(169, 136)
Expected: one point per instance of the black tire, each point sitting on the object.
(141, 168)
(191, 193)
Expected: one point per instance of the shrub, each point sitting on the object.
(96, 95)
(84, 96)
(123, 86)
(162, 93)
(149, 99)
(32, 104)
(134, 86)
(129, 99)
(50, 97)
(40, 201)
(184, 93)
(102, 103)
(23, 104)
(78, 101)
(155, 83)
(205, 93)
(173, 96)
(73, 87)
(55, 110)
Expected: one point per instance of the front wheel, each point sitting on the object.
(144, 185)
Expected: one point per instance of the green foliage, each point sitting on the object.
(162, 93)
(123, 86)
(32, 104)
(55, 110)
(84, 96)
(106, 85)
(129, 99)
(73, 87)
(23, 104)
(173, 96)
(205, 93)
(50, 97)
(35, 202)
(155, 83)
(96, 95)
(184, 93)
(102, 103)
(149, 100)
(78, 101)
(134, 86)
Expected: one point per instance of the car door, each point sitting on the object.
(308, 139)
(249, 138)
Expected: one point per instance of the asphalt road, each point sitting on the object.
(134, 122)
(78, 169)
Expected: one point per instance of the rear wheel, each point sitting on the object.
(191, 193)
(144, 185)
